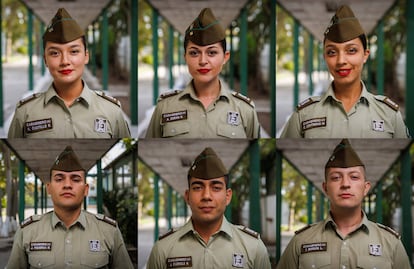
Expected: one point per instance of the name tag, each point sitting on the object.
(40, 246)
(174, 116)
(38, 125)
(314, 247)
(176, 262)
(313, 123)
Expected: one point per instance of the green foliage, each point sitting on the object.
(146, 191)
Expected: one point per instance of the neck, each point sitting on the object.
(347, 221)
(348, 94)
(206, 230)
(68, 217)
(207, 92)
(69, 92)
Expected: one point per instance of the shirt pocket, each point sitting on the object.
(231, 131)
(176, 128)
(315, 261)
(41, 260)
(373, 262)
(95, 259)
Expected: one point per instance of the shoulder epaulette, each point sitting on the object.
(109, 98)
(243, 98)
(303, 229)
(390, 230)
(387, 101)
(249, 231)
(106, 219)
(28, 99)
(30, 220)
(170, 232)
(308, 102)
(169, 94)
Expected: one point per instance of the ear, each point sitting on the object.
(226, 56)
(325, 190)
(47, 188)
(229, 194)
(186, 196)
(86, 191)
(366, 55)
(367, 187)
(86, 56)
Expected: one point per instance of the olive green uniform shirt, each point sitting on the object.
(92, 115)
(325, 117)
(231, 247)
(180, 114)
(320, 245)
(93, 241)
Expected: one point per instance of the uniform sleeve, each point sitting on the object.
(123, 128)
(289, 258)
(120, 256)
(156, 259)
(253, 126)
(400, 257)
(262, 257)
(154, 128)
(401, 130)
(16, 126)
(292, 128)
(18, 258)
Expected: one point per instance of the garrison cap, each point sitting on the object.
(207, 165)
(205, 29)
(344, 26)
(344, 156)
(67, 161)
(62, 28)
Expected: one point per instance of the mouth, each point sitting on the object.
(66, 71)
(343, 72)
(203, 70)
(67, 194)
(345, 195)
(207, 209)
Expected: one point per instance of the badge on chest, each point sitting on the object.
(178, 262)
(233, 118)
(238, 260)
(94, 245)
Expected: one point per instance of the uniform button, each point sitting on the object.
(233, 133)
(313, 266)
(68, 241)
(172, 130)
(39, 264)
(343, 267)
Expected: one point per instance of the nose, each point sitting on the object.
(64, 59)
(341, 59)
(203, 59)
(345, 182)
(206, 194)
(67, 183)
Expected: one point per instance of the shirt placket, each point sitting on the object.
(344, 259)
(68, 248)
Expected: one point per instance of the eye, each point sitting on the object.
(74, 51)
(352, 50)
(355, 177)
(53, 53)
(330, 52)
(217, 188)
(334, 178)
(196, 188)
(193, 53)
(77, 179)
(212, 53)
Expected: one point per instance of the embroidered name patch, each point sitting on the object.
(375, 249)
(314, 247)
(238, 260)
(233, 118)
(101, 125)
(174, 116)
(38, 125)
(378, 125)
(176, 262)
(40, 246)
(313, 123)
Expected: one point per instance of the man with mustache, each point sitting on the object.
(208, 240)
(68, 236)
(346, 238)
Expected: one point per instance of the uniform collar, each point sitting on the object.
(365, 97)
(188, 228)
(81, 221)
(189, 91)
(85, 97)
(329, 223)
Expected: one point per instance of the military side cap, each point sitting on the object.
(205, 29)
(207, 165)
(67, 161)
(344, 156)
(344, 26)
(62, 28)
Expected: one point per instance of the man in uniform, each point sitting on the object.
(346, 109)
(346, 238)
(206, 108)
(68, 236)
(69, 108)
(208, 240)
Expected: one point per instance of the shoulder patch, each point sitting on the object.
(387, 101)
(168, 94)
(390, 230)
(170, 232)
(106, 219)
(303, 229)
(30, 220)
(308, 102)
(28, 99)
(243, 98)
(249, 231)
(109, 98)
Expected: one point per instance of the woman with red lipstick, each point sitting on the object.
(346, 238)
(68, 109)
(347, 109)
(206, 108)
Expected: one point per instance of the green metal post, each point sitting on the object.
(92, 50)
(176, 204)
(156, 207)
(231, 61)
(272, 68)
(30, 46)
(1, 69)
(310, 202)
(380, 57)
(134, 63)
(134, 167)
(378, 202)
(105, 49)
(42, 197)
(406, 204)
(22, 203)
(228, 212)
(310, 62)
(99, 186)
(255, 216)
(296, 63)
(409, 67)
(155, 54)
(42, 65)
(169, 206)
(243, 52)
(36, 195)
(321, 206)
(279, 173)
(171, 56)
